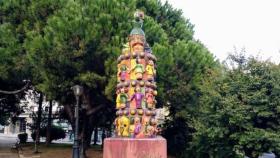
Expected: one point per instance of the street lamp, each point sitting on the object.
(78, 91)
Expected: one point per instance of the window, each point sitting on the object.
(22, 125)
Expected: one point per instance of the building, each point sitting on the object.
(30, 107)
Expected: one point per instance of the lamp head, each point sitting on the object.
(78, 90)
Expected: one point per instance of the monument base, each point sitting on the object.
(135, 148)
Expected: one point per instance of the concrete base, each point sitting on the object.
(135, 148)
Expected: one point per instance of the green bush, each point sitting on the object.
(56, 133)
(22, 137)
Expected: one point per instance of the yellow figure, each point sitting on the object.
(122, 99)
(124, 126)
(138, 70)
(132, 65)
(150, 70)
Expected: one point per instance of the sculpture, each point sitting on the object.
(136, 86)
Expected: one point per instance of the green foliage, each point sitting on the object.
(22, 137)
(18, 20)
(239, 113)
(180, 79)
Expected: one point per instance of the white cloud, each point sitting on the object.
(223, 24)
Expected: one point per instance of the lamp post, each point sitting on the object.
(78, 91)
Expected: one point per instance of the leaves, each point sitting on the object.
(239, 111)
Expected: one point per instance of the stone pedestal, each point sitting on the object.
(135, 148)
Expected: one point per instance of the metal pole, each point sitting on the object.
(76, 149)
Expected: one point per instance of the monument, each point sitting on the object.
(136, 125)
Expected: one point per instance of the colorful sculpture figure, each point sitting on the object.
(124, 126)
(136, 88)
(150, 131)
(137, 124)
(150, 99)
(123, 72)
(132, 128)
(138, 96)
(145, 124)
(150, 70)
(122, 99)
(138, 70)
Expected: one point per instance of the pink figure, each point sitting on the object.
(137, 128)
(150, 99)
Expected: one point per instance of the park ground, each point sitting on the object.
(52, 151)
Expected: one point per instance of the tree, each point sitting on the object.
(181, 89)
(12, 69)
(49, 125)
(19, 20)
(240, 114)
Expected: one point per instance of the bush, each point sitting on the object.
(22, 137)
(56, 133)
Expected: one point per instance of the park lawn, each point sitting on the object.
(58, 151)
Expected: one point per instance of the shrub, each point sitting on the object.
(22, 137)
(56, 133)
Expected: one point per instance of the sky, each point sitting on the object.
(222, 25)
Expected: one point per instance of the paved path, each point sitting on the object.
(6, 142)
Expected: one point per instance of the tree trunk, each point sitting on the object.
(95, 135)
(49, 126)
(87, 133)
(37, 140)
(88, 121)
(69, 111)
(103, 137)
(83, 134)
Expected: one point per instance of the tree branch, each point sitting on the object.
(16, 91)
(93, 110)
